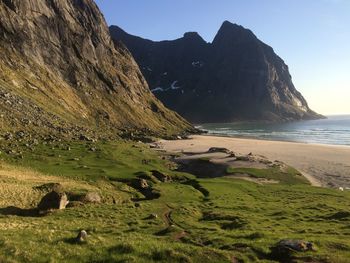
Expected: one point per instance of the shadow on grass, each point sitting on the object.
(74, 241)
(16, 211)
(121, 249)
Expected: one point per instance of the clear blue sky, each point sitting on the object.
(312, 36)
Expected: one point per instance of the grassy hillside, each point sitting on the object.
(188, 219)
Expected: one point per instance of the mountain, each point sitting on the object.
(236, 77)
(61, 72)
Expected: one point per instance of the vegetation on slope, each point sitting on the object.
(191, 220)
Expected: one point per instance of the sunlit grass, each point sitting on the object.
(198, 220)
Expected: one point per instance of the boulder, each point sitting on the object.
(55, 200)
(285, 248)
(91, 197)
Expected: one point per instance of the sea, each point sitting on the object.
(335, 130)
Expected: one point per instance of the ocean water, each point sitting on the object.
(334, 130)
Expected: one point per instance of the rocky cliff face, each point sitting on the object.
(236, 77)
(59, 69)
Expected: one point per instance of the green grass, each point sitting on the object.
(289, 176)
(118, 160)
(199, 220)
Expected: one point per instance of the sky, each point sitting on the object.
(311, 36)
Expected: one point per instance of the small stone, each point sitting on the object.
(153, 216)
(82, 236)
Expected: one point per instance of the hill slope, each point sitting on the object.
(60, 71)
(236, 77)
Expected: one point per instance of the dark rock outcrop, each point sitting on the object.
(55, 200)
(286, 249)
(161, 176)
(59, 70)
(236, 77)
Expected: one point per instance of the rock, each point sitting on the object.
(8, 136)
(83, 137)
(153, 216)
(54, 200)
(91, 197)
(82, 236)
(20, 134)
(219, 150)
(145, 162)
(285, 248)
(243, 158)
(141, 184)
(161, 176)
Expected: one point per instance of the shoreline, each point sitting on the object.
(323, 165)
(271, 140)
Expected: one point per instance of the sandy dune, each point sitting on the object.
(323, 165)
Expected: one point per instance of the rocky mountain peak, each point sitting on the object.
(233, 33)
(193, 36)
(236, 77)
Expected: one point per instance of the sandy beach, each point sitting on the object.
(322, 165)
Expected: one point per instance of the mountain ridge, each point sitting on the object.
(58, 56)
(235, 77)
